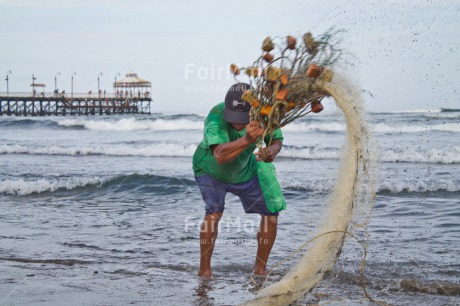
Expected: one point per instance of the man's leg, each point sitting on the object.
(208, 236)
(265, 239)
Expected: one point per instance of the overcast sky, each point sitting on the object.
(404, 52)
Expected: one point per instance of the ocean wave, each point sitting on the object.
(133, 124)
(153, 150)
(415, 128)
(419, 186)
(406, 284)
(164, 185)
(409, 111)
(65, 262)
(121, 183)
(443, 116)
(392, 187)
(309, 152)
(21, 186)
(450, 110)
(195, 123)
(314, 126)
(27, 123)
(437, 288)
(445, 155)
(377, 128)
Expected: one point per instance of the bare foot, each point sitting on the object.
(259, 271)
(205, 274)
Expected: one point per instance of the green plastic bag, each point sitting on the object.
(270, 186)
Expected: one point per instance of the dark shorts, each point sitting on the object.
(250, 194)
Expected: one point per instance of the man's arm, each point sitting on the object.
(268, 154)
(227, 152)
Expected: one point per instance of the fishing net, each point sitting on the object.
(285, 78)
(293, 80)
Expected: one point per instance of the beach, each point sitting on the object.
(104, 210)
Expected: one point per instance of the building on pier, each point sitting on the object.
(132, 86)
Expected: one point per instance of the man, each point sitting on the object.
(225, 162)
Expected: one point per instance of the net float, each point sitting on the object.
(268, 57)
(290, 106)
(265, 110)
(316, 107)
(272, 73)
(234, 69)
(252, 71)
(309, 42)
(267, 44)
(313, 71)
(282, 94)
(247, 96)
(291, 42)
(284, 79)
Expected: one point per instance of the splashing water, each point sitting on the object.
(350, 200)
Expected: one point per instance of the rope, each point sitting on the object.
(363, 263)
(303, 88)
(359, 157)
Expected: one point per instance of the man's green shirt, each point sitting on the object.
(217, 131)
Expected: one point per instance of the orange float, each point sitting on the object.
(265, 110)
(316, 106)
(313, 71)
(290, 106)
(284, 79)
(291, 42)
(234, 68)
(268, 57)
(282, 94)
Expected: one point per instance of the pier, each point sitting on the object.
(130, 96)
(49, 104)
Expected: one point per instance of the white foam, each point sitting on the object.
(435, 110)
(162, 149)
(376, 128)
(133, 124)
(317, 186)
(309, 153)
(25, 187)
(310, 127)
(415, 128)
(418, 185)
(446, 155)
(391, 185)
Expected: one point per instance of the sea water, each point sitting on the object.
(104, 210)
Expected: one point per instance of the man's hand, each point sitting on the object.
(253, 132)
(227, 152)
(268, 154)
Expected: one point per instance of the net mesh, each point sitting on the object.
(293, 80)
